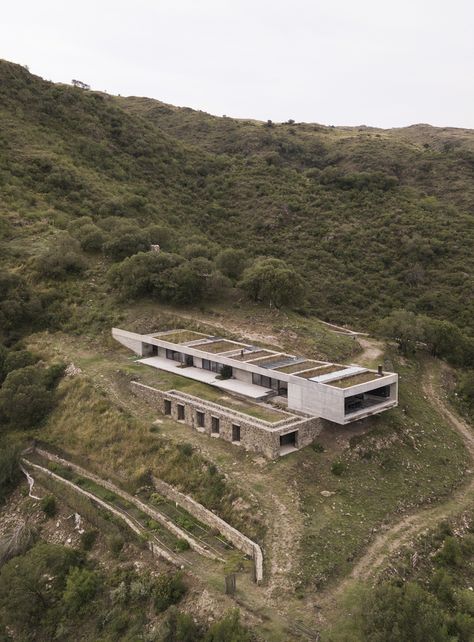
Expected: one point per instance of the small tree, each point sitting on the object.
(169, 589)
(63, 258)
(232, 262)
(274, 282)
(25, 398)
(126, 244)
(405, 328)
(82, 586)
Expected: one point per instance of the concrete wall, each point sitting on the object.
(310, 397)
(327, 401)
(257, 436)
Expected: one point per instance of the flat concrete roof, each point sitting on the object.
(206, 376)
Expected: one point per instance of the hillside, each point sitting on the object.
(373, 219)
(357, 222)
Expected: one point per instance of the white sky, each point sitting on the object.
(374, 62)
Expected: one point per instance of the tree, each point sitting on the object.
(61, 259)
(25, 398)
(82, 586)
(232, 262)
(405, 328)
(466, 388)
(274, 282)
(9, 468)
(444, 339)
(33, 583)
(145, 273)
(127, 244)
(398, 614)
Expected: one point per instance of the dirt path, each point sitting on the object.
(371, 350)
(403, 532)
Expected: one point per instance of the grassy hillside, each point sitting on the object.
(373, 219)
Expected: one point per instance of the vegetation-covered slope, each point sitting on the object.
(374, 220)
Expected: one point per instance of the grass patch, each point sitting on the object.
(406, 458)
(219, 346)
(347, 382)
(182, 336)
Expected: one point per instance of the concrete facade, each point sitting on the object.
(338, 393)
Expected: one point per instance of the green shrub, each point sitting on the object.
(186, 449)
(125, 245)
(450, 553)
(82, 586)
(179, 627)
(226, 372)
(88, 539)
(61, 259)
(337, 468)
(229, 629)
(182, 545)
(168, 590)
(48, 505)
(10, 473)
(25, 399)
(317, 447)
(116, 544)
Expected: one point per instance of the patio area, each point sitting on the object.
(205, 376)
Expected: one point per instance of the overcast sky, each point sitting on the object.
(342, 62)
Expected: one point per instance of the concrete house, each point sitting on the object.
(309, 390)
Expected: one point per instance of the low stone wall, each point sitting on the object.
(255, 435)
(148, 510)
(154, 548)
(238, 539)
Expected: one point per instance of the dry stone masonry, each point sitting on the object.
(236, 427)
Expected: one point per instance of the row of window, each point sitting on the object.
(173, 354)
(267, 382)
(211, 365)
(200, 420)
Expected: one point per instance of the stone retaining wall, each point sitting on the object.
(154, 548)
(238, 539)
(217, 421)
(145, 508)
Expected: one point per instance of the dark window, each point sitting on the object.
(283, 388)
(235, 432)
(211, 365)
(289, 439)
(351, 404)
(167, 407)
(215, 425)
(384, 392)
(200, 419)
(172, 354)
(180, 412)
(189, 360)
(268, 382)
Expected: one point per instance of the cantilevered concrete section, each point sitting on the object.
(335, 392)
